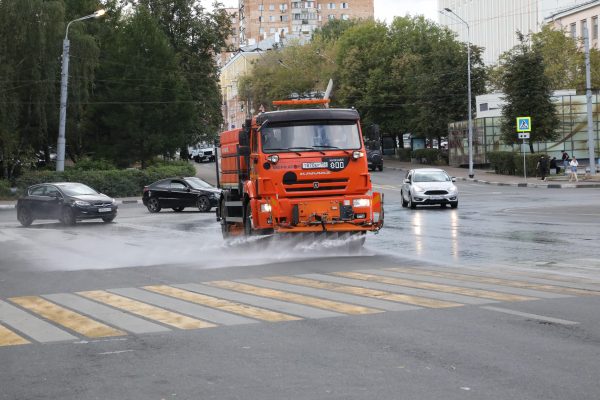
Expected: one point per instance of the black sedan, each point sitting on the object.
(68, 202)
(179, 193)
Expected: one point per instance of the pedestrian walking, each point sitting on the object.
(554, 165)
(573, 164)
(565, 161)
(542, 167)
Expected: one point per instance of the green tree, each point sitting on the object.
(527, 90)
(143, 105)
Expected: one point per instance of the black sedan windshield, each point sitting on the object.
(320, 135)
(198, 183)
(76, 189)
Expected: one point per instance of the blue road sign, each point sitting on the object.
(523, 124)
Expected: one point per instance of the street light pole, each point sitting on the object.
(471, 173)
(64, 81)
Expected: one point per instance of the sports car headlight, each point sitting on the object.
(361, 203)
(81, 203)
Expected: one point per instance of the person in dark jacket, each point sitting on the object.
(554, 164)
(543, 167)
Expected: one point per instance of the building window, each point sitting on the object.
(331, 6)
(283, 7)
(595, 28)
(283, 18)
(271, 7)
(271, 18)
(345, 17)
(584, 28)
(261, 7)
(331, 17)
(261, 30)
(261, 19)
(344, 5)
(574, 31)
(272, 30)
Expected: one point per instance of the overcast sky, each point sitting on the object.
(384, 9)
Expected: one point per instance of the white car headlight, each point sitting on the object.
(418, 189)
(361, 202)
(453, 190)
(81, 203)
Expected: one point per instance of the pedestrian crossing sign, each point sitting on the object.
(523, 124)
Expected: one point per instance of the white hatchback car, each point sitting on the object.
(427, 186)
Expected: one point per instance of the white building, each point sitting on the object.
(494, 23)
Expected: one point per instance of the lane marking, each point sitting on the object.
(32, 326)
(295, 298)
(271, 304)
(497, 281)
(531, 316)
(9, 338)
(145, 310)
(107, 314)
(115, 352)
(360, 291)
(222, 304)
(67, 318)
(486, 294)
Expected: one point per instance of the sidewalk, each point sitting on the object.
(491, 178)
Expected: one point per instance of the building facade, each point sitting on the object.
(487, 136)
(577, 19)
(261, 19)
(494, 23)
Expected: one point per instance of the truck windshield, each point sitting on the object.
(317, 135)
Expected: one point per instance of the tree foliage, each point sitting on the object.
(528, 92)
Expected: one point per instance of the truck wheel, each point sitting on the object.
(380, 167)
(224, 226)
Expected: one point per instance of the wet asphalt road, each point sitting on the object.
(540, 244)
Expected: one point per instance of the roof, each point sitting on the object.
(317, 114)
(572, 10)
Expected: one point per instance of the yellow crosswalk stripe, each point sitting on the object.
(9, 338)
(146, 310)
(497, 281)
(222, 304)
(487, 294)
(365, 292)
(294, 298)
(65, 317)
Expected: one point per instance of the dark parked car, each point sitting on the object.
(68, 202)
(179, 193)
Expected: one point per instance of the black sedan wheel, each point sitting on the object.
(203, 204)
(153, 205)
(24, 216)
(67, 216)
(178, 209)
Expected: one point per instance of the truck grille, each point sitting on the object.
(314, 185)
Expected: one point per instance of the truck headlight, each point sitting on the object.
(361, 203)
(357, 154)
(265, 208)
(273, 158)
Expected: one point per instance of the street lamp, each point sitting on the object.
(471, 174)
(64, 81)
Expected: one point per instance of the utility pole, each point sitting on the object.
(588, 94)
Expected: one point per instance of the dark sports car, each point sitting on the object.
(179, 193)
(68, 202)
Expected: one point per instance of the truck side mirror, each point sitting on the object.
(243, 150)
(243, 138)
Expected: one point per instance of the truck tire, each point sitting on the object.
(223, 215)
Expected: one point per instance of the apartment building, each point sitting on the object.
(494, 23)
(260, 19)
(577, 19)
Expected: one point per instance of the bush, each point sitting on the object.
(427, 156)
(503, 162)
(403, 154)
(87, 164)
(531, 161)
(5, 191)
(115, 183)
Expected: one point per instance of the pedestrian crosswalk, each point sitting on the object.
(119, 312)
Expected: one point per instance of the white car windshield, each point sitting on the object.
(431, 176)
(318, 136)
